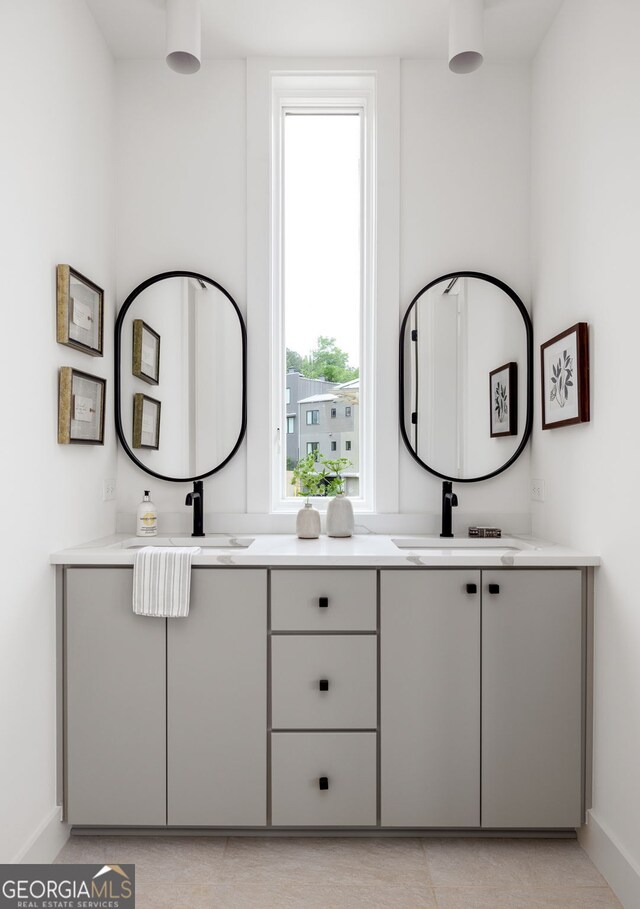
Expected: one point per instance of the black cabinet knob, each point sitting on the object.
(494, 588)
(323, 684)
(323, 602)
(323, 782)
(472, 588)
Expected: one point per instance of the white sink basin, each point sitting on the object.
(211, 541)
(485, 544)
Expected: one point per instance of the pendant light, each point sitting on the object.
(183, 36)
(466, 35)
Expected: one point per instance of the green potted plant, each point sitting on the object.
(307, 481)
(340, 510)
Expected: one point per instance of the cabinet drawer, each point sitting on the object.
(346, 761)
(338, 600)
(347, 667)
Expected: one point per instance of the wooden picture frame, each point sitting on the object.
(564, 374)
(81, 404)
(146, 421)
(146, 353)
(79, 312)
(503, 401)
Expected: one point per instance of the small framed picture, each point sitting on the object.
(146, 352)
(503, 391)
(565, 378)
(81, 400)
(79, 314)
(146, 422)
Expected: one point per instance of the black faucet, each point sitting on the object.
(449, 501)
(196, 498)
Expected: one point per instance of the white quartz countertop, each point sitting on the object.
(361, 550)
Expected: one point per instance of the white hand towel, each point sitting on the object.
(162, 581)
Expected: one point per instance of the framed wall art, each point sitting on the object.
(146, 352)
(503, 397)
(146, 422)
(565, 378)
(81, 399)
(79, 312)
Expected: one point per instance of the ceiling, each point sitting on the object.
(244, 28)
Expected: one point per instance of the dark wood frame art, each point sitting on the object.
(512, 428)
(581, 330)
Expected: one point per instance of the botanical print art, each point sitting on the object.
(565, 378)
(503, 391)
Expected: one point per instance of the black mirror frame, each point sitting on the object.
(526, 318)
(117, 384)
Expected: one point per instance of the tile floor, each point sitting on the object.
(303, 873)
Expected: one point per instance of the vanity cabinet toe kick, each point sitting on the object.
(369, 699)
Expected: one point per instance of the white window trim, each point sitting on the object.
(372, 79)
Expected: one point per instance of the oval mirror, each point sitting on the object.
(180, 376)
(466, 377)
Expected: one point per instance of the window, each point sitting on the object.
(347, 411)
(347, 446)
(322, 214)
(287, 395)
(313, 417)
(312, 446)
(291, 425)
(333, 412)
(334, 446)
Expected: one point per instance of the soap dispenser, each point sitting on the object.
(147, 524)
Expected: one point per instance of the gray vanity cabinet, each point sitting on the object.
(430, 698)
(217, 702)
(115, 703)
(532, 682)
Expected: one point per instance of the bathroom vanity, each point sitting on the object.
(370, 683)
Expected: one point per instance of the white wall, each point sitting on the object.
(465, 145)
(586, 237)
(181, 190)
(181, 159)
(56, 98)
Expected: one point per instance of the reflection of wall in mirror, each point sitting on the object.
(465, 329)
(496, 336)
(217, 411)
(161, 307)
(437, 353)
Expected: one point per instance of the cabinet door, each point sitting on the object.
(217, 702)
(115, 703)
(532, 699)
(430, 698)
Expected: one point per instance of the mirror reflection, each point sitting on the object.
(181, 376)
(465, 348)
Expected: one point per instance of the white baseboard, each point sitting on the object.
(620, 871)
(46, 842)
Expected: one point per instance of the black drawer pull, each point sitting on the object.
(494, 588)
(323, 684)
(472, 588)
(323, 782)
(323, 602)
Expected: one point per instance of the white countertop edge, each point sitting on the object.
(367, 550)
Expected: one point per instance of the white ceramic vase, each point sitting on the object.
(308, 522)
(340, 516)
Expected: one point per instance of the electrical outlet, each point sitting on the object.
(537, 490)
(109, 489)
